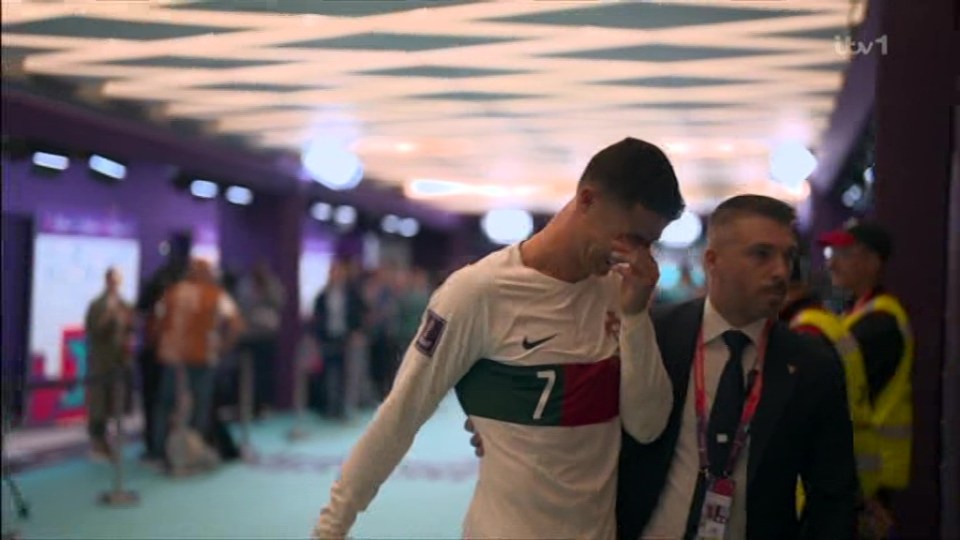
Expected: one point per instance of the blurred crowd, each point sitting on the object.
(198, 330)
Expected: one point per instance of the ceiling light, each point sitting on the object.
(435, 188)
(678, 147)
(321, 211)
(204, 189)
(51, 161)
(801, 192)
(345, 215)
(507, 226)
(852, 196)
(791, 163)
(332, 166)
(239, 195)
(107, 167)
(425, 189)
(682, 232)
(390, 224)
(409, 227)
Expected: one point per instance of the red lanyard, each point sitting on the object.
(749, 409)
(863, 300)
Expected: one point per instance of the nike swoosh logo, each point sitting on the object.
(527, 344)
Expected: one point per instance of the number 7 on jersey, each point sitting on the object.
(551, 377)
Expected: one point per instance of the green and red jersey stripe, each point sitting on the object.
(544, 395)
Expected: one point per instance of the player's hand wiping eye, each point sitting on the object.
(640, 274)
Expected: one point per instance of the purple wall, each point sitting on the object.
(270, 229)
(852, 107)
(16, 282)
(314, 231)
(38, 118)
(146, 196)
(851, 112)
(915, 91)
(951, 371)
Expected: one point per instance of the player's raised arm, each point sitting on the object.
(452, 337)
(646, 394)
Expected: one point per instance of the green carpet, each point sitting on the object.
(279, 496)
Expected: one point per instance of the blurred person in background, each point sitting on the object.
(382, 329)
(149, 365)
(109, 326)
(262, 297)
(411, 305)
(881, 326)
(338, 318)
(805, 312)
(198, 321)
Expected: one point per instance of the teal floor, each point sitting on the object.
(279, 496)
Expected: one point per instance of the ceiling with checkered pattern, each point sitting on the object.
(506, 99)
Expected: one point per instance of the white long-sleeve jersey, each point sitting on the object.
(548, 372)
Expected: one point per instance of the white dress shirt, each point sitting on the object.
(669, 519)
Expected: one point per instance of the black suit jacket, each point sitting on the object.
(801, 428)
(356, 312)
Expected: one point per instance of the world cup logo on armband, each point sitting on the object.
(430, 333)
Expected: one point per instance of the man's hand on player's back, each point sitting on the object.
(476, 442)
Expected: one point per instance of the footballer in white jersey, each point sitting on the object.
(549, 370)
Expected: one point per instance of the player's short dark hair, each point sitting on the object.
(752, 205)
(634, 171)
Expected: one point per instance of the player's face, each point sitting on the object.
(748, 265)
(607, 220)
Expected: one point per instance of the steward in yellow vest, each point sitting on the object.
(805, 313)
(882, 330)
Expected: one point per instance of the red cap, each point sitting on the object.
(871, 236)
(838, 238)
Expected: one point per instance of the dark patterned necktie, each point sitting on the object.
(724, 420)
(728, 403)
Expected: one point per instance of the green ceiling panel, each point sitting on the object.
(439, 72)
(673, 82)
(662, 53)
(333, 8)
(474, 96)
(95, 28)
(190, 62)
(378, 41)
(644, 15)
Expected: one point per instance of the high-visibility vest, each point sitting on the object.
(858, 397)
(893, 408)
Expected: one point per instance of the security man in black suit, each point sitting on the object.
(755, 405)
